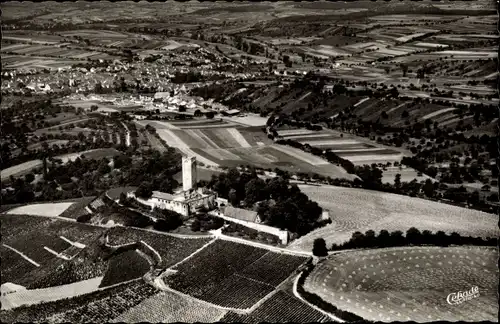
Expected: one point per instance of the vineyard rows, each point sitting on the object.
(233, 275)
(210, 266)
(171, 249)
(124, 267)
(273, 268)
(31, 234)
(12, 265)
(280, 308)
(34, 235)
(237, 292)
(107, 308)
(168, 307)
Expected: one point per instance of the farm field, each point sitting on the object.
(25, 167)
(13, 62)
(230, 274)
(20, 169)
(53, 51)
(407, 175)
(354, 210)
(350, 149)
(49, 209)
(232, 147)
(280, 308)
(409, 284)
(168, 307)
(90, 154)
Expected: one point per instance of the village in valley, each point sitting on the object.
(249, 162)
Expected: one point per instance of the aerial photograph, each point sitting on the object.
(249, 162)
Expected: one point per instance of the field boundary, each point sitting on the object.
(296, 294)
(24, 256)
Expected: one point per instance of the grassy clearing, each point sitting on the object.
(407, 175)
(354, 210)
(54, 209)
(410, 284)
(20, 169)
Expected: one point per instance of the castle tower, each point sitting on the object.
(188, 172)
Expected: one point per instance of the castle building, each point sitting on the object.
(187, 201)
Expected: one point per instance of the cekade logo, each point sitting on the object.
(462, 296)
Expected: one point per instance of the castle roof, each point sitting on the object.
(162, 195)
(241, 214)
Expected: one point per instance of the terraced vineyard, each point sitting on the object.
(280, 308)
(233, 275)
(35, 234)
(409, 284)
(171, 249)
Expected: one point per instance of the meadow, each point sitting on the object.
(409, 284)
(49, 209)
(354, 210)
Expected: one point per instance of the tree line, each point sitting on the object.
(413, 237)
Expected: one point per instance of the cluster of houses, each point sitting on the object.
(175, 98)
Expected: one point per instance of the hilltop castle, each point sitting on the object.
(187, 201)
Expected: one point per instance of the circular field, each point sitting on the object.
(410, 284)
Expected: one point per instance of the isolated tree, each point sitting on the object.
(428, 188)
(196, 225)
(319, 248)
(397, 181)
(387, 69)
(404, 68)
(233, 198)
(210, 115)
(29, 178)
(144, 190)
